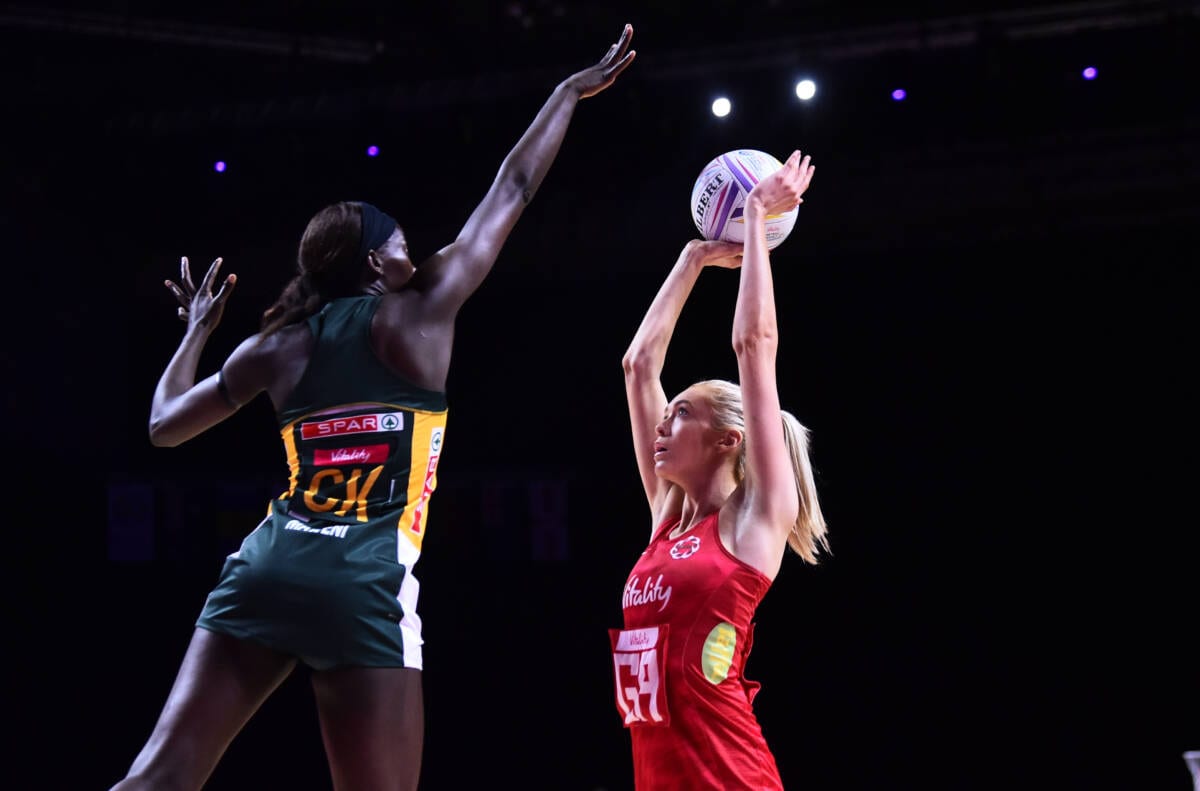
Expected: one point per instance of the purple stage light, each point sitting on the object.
(899, 94)
(219, 166)
(1089, 73)
(372, 151)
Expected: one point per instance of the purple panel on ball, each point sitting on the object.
(721, 215)
(739, 171)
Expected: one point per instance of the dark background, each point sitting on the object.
(987, 320)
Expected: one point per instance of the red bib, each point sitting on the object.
(640, 668)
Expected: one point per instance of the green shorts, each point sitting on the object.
(330, 594)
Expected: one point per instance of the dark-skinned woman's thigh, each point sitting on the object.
(221, 682)
(373, 725)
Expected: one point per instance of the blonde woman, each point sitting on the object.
(730, 487)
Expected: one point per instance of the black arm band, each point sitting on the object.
(224, 391)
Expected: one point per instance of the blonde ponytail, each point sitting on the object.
(808, 535)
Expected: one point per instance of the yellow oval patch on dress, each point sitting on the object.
(717, 654)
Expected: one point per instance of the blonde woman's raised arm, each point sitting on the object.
(644, 359)
(771, 501)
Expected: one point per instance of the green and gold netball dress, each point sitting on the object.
(327, 576)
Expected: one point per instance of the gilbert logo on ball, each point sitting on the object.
(719, 197)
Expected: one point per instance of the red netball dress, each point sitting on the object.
(688, 606)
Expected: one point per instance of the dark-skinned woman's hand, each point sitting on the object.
(199, 307)
(591, 81)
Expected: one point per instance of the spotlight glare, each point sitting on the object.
(1089, 73)
(899, 94)
(219, 166)
(806, 89)
(721, 107)
(372, 151)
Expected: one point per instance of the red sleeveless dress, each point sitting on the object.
(688, 606)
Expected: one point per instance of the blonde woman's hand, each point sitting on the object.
(727, 255)
(781, 191)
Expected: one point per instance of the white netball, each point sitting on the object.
(719, 197)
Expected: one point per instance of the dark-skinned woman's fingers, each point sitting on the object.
(185, 275)
(617, 50)
(178, 292)
(620, 66)
(626, 33)
(210, 277)
(226, 289)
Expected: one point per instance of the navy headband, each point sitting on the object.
(377, 227)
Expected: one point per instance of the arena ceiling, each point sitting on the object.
(1004, 104)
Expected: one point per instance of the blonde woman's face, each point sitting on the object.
(685, 436)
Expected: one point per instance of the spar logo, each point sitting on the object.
(358, 424)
